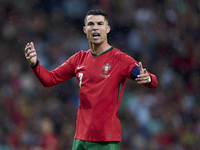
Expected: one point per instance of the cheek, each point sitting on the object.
(104, 34)
(87, 31)
(88, 35)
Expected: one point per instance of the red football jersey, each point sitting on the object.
(102, 81)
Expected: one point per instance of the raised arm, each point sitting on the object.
(46, 77)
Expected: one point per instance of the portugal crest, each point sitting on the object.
(106, 68)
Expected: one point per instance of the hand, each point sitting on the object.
(144, 77)
(30, 53)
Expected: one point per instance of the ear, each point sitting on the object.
(108, 29)
(84, 29)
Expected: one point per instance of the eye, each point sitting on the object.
(100, 23)
(90, 23)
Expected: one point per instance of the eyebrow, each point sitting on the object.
(99, 22)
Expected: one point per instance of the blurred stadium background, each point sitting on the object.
(163, 35)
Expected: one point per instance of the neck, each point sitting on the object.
(99, 48)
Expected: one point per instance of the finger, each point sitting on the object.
(141, 67)
(32, 46)
(143, 76)
(30, 52)
(142, 80)
(27, 47)
(31, 56)
(145, 71)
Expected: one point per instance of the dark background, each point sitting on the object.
(163, 35)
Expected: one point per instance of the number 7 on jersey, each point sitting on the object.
(80, 75)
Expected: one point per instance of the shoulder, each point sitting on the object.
(80, 54)
(117, 53)
(121, 56)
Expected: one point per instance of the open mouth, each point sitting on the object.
(95, 35)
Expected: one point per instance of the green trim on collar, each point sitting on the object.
(103, 52)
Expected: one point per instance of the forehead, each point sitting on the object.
(95, 18)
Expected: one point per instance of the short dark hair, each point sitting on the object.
(96, 12)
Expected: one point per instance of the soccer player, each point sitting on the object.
(101, 72)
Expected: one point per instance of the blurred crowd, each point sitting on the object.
(163, 34)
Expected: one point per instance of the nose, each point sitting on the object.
(95, 27)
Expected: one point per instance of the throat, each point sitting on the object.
(98, 49)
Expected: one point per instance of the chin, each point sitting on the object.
(96, 42)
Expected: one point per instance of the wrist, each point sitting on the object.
(34, 65)
(149, 80)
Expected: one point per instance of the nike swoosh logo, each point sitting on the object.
(79, 67)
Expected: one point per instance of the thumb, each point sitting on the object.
(141, 67)
(32, 46)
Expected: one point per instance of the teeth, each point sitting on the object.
(96, 34)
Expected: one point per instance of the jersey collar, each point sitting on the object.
(108, 50)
